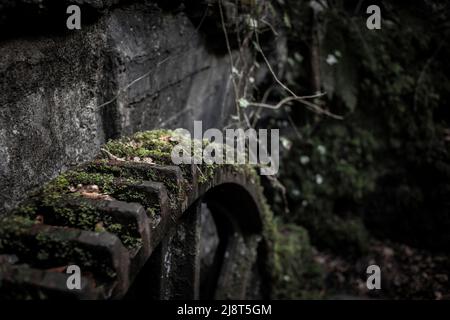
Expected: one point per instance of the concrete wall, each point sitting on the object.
(132, 67)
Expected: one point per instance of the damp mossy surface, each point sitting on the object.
(122, 189)
(43, 249)
(57, 205)
(61, 202)
(156, 145)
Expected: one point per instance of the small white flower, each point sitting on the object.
(252, 23)
(296, 193)
(332, 60)
(319, 179)
(243, 103)
(298, 57)
(322, 150)
(317, 6)
(305, 203)
(286, 143)
(287, 21)
(304, 160)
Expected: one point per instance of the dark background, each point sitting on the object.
(370, 188)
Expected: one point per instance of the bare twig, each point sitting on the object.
(310, 105)
(293, 97)
(233, 68)
(111, 156)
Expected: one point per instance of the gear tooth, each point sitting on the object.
(47, 247)
(108, 217)
(158, 208)
(132, 217)
(171, 176)
(126, 220)
(20, 282)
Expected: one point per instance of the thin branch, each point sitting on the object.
(293, 96)
(259, 48)
(227, 40)
(302, 100)
(111, 156)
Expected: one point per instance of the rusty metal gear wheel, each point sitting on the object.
(139, 227)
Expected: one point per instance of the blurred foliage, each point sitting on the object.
(297, 276)
(387, 164)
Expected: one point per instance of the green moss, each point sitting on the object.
(127, 239)
(105, 182)
(150, 173)
(11, 226)
(48, 249)
(121, 189)
(71, 210)
(151, 212)
(55, 189)
(28, 209)
(86, 217)
(61, 203)
(296, 275)
(54, 250)
(391, 142)
(156, 144)
(207, 172)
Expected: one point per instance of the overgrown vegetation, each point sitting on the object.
(387, 162)
(384, 170)
(297, 275)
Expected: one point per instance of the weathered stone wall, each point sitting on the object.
(133, 66)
